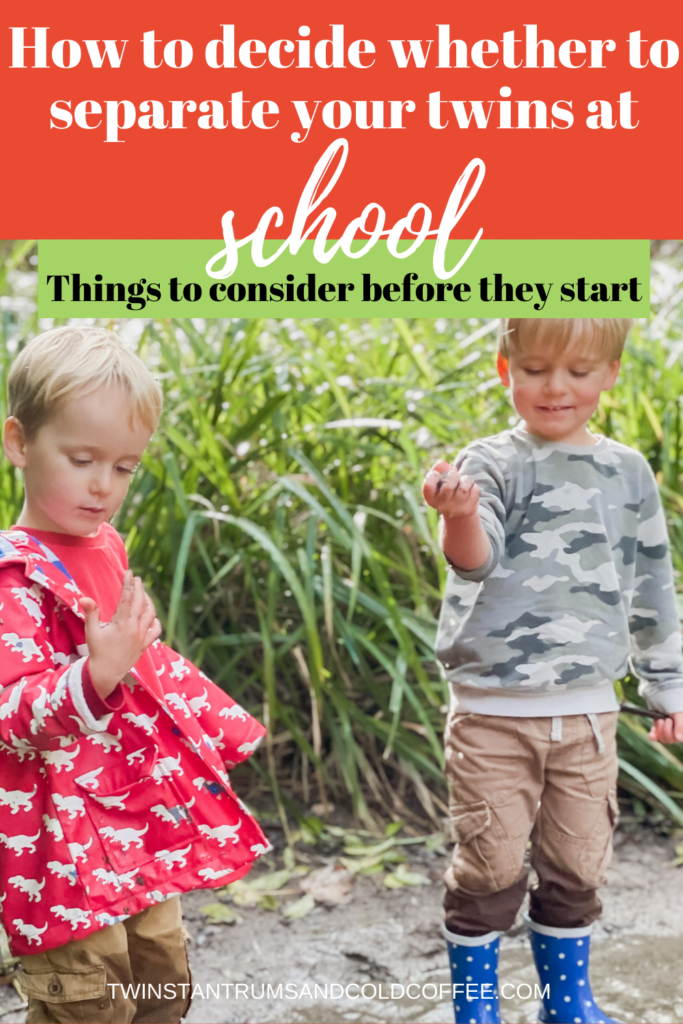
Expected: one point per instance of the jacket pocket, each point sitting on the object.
(138, 815)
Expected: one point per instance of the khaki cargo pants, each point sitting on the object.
(548, 780)
(93, 980)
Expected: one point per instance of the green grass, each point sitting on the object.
(278, 523)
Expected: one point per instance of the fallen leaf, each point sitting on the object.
(331, 884)
(403, 876)
(299, 908)
(268, 902)
(220, 913)
(288, 858)
(359, 850)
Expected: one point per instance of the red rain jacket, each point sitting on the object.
(99, 818)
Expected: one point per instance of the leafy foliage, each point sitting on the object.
(278, 524)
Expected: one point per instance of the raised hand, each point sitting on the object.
(449, 492)
(115, 646)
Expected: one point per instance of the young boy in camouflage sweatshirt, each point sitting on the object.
(561, 573)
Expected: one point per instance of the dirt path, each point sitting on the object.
(393, 937)
(386, 937)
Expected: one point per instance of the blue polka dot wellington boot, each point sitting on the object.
(561, 956)
(474, 973)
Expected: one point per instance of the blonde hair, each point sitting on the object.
(605, 337)
(68, 361)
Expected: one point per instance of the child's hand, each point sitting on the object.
(668, 730)
(449, 492)
(115, 646)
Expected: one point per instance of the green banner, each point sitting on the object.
(532, 278)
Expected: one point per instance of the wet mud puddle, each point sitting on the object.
(636, 979)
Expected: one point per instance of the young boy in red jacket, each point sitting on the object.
(114, 749)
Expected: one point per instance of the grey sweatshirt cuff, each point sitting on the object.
(670, 701)
(491, 528)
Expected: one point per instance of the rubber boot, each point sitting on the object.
(474, 973)
(561, 956)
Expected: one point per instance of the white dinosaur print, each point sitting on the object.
(26, 646)
(29, 931)
(222, 832)
(78, 851)
(214, 788)
(58, 658)
(106, 919)
(113, 801)
(107, 877)
(40, 711)
(30, 598)
(74, 915)
(236, 711)
(165, 766)
(89, 780)
(259, 849)
(30, 885)
(128, 878)
(176, 701)
(11, 705)
(107, 740)
(125, 836)
(118, 881)
(85, 729)
(137, 755)
(59, 692)
(68, 871)
(22, 747)
(20, 844)
(142, 722)
(191, 744)
(17, 799)
(249, 748)
(54, 826)
(214, 742)
(170, 857)
(198, 703)
(179, 669)
(130, 682)
(60, 759)
(157, 896)
(212, 874)
(173, 815)
(71, 805)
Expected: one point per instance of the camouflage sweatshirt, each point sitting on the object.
(579, 580)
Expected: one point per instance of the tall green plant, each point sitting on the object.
(278, 523)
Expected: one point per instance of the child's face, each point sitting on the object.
(78, 466)
(557, 391)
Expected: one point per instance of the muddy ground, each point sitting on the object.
(386, 937)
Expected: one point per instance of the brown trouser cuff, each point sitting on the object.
(555, 907)
(473, 915)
